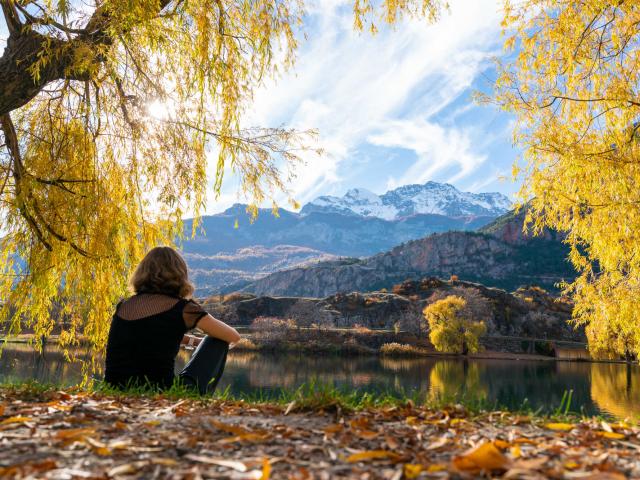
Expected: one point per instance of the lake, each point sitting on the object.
(607, 388)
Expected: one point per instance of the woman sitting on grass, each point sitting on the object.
(148, 328)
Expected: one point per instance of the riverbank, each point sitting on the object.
(366, 342)
(87, 434)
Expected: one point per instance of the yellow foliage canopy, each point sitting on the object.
(573, 86)
(449, 330)
(106, 134)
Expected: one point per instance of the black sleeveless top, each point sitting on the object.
(144, 339)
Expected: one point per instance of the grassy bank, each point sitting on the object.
(309, 433)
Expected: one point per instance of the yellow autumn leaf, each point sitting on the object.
(516, 452)
(483, 457)
(266, 469)
(246, 437)
(17, 419)
(611, 435)
(436, 467)
(372, 455)
(563, 427)
(412, 470)
(72, 433)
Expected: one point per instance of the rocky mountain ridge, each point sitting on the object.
(498, 255)
(225, 255)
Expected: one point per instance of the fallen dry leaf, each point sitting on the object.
(563, 427)
(483, 457)
(611, 435)
(266, 469)
(17, 419)
(411, 470)
(221, 462)
(372, 455)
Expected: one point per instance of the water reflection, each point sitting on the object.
(597, 388)
(615, 388)
(457, 380)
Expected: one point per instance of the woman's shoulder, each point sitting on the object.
(144, 305)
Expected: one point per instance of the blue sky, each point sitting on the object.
(394, 108)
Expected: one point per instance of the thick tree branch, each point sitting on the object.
(17, 81)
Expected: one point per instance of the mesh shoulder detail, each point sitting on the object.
(145, 305)
(192, 313)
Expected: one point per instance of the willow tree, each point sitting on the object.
(109, 112)
(572, 82)
(452, 326)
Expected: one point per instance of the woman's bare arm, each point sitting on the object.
(217, 329)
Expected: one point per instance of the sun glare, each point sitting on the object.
(158, 110)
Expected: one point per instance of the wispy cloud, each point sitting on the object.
(383, 91)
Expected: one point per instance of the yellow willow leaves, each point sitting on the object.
(108, 166)
(449, 330)
(572, 85)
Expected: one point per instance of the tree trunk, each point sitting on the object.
(17, 82)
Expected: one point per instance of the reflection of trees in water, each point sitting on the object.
(19, 362)
(453, 380)
(615, 388)
(542, 384)
(269, 372)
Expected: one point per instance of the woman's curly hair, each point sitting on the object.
(162, 270)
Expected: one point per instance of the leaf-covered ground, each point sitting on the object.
(86, 435)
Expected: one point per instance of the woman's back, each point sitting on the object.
(144, 339)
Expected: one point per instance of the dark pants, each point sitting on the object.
(204, 369)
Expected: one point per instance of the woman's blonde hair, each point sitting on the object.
(162, 270)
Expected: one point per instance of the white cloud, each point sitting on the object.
(437, 148)
(357, 88)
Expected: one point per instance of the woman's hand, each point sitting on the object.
(190, 341)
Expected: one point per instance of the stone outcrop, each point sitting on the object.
(529, 312)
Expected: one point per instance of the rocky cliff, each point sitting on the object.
(528, 312)
(499, 255)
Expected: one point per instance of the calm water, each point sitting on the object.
(597, 387)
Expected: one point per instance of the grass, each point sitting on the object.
(312, 397)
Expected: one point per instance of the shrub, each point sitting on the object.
(272, 328)
(399, 349)
(358, 328)
(245, 344)
(450, 330)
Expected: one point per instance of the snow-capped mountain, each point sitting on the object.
(432, 197)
